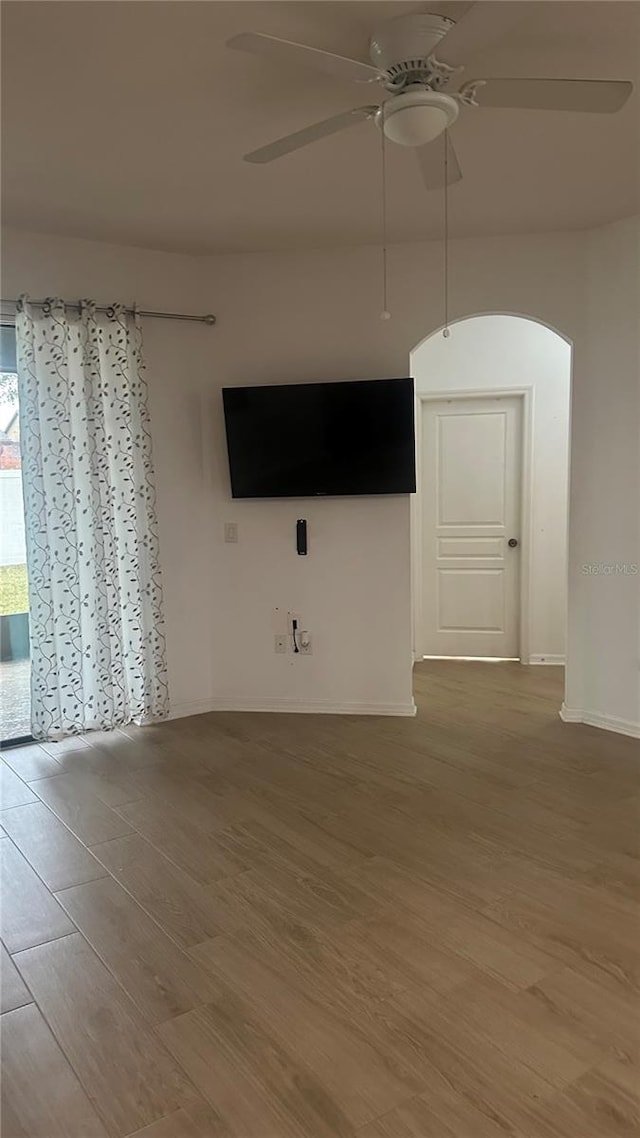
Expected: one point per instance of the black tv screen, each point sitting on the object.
(305, 440)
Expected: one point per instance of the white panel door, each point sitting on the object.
(471, 477)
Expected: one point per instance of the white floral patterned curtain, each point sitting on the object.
(95, 593)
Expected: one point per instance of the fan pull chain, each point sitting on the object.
(385, 314)
(445, 330)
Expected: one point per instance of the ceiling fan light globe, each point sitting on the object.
(416, 118)
(416, 126)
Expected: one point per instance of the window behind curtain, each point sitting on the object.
(15, 710)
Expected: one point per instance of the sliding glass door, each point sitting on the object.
(15, 709)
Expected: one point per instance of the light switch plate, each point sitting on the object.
(231, 531)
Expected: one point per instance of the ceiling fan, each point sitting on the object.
(420, 106)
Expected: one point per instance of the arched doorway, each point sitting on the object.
(493, 414)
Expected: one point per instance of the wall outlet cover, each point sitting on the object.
(231, 531)
(280, 644)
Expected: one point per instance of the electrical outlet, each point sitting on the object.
(231, 531)
(280, 644)
(304, 643)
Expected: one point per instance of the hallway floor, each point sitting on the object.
(279, 926)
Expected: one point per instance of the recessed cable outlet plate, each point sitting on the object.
(280, 644)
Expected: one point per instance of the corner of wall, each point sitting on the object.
(605, 722)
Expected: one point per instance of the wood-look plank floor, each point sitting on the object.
(278, 926)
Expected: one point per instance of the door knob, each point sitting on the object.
(512, 542)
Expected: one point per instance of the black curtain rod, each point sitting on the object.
(208, 319)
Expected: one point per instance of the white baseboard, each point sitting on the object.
(596, 719)
(289, 706)
(557, 661)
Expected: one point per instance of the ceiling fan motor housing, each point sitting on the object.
(405, 44)
(417, 116)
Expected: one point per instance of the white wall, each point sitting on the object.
(285, 317)
(603, 683)
(495, 352)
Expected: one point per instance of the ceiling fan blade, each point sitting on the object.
(603, 95)
(478, 26)
(431, 163)
(452, 9)
(310, 134)
(336, 65)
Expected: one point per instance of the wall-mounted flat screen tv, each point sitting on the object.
(305, 440)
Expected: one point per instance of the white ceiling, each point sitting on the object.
(127, 122)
